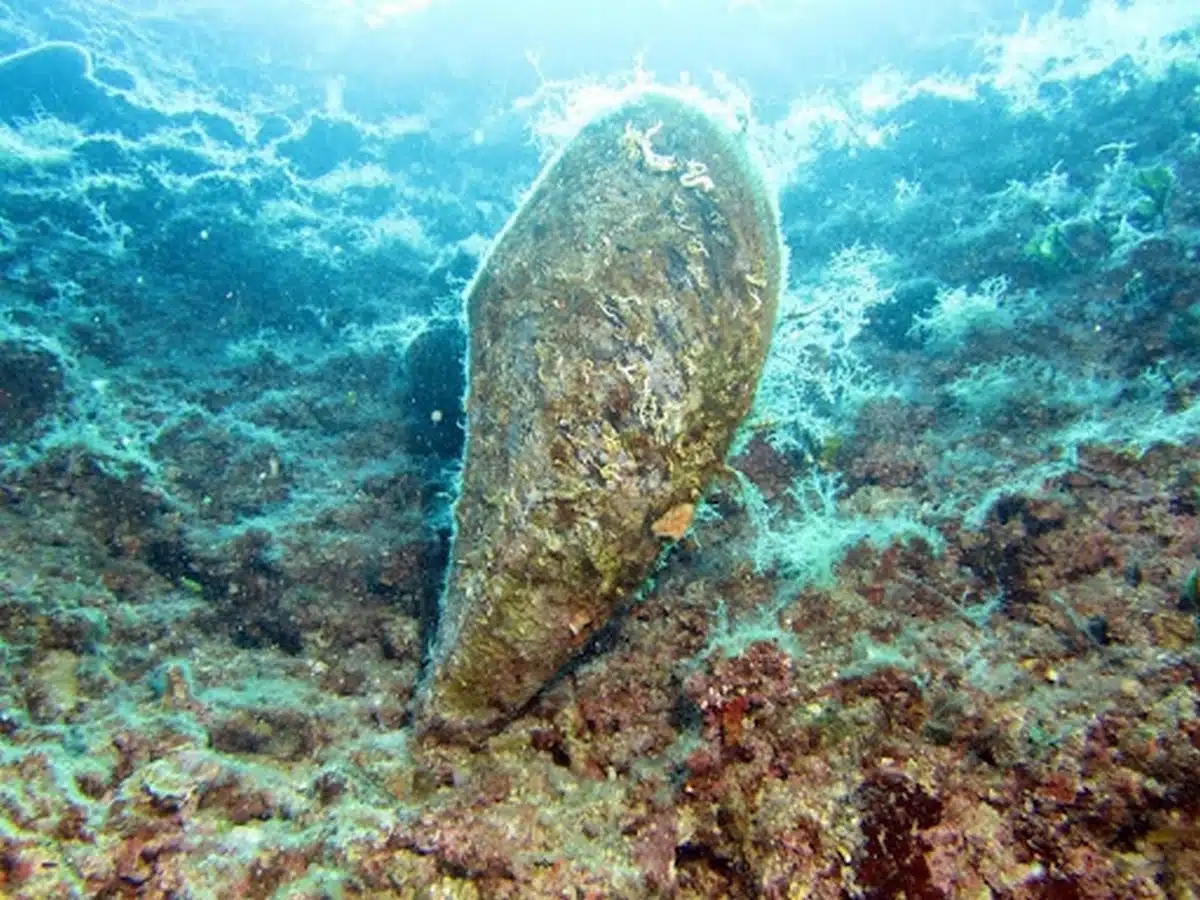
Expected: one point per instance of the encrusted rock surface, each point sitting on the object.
(617, 332)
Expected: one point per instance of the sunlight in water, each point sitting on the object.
(378, 14)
